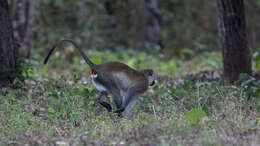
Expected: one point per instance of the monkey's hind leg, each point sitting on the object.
(116, 97)
(101, 101)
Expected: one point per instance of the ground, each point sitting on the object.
(56, 105)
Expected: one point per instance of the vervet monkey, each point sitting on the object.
(113, 77)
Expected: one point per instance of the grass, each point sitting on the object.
(56, 104)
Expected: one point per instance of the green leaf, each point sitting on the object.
(195, 115)
(96, 61)
(51, 110)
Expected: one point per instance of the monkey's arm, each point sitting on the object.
(101, 101)
(130, 94)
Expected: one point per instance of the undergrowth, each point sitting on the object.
(56, 104)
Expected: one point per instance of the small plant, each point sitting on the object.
(195, 115)
(250, 86)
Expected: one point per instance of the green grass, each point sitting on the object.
(56, 104)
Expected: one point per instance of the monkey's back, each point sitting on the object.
(123, 75)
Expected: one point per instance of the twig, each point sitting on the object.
(154, 112)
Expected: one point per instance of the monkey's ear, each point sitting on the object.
(149, 72)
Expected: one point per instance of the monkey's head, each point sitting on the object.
(152, 77)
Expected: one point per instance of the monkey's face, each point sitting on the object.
(152, 77)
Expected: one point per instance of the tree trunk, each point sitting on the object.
(139, 21)
(154, 24)
(7, 44)
(112, 24)
(233, 39)
(23, 18)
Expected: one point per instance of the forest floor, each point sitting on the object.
(56, 105)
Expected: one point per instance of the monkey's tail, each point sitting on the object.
(88, 61)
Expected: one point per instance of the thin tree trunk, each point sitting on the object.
(23, 18)
(112, 24)
(233, 39)
(154, 24)
(7, 44)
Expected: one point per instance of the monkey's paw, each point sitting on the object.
(106, 105)
(109, 108)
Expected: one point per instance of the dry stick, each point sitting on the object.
(78, 137)
(154, 112)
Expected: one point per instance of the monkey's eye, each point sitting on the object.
(150, 73)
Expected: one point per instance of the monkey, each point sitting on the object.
(112, 78)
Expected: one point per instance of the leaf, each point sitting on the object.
(95, 60)
(100, 118)
(51, 110)
(195, 115)
(130, 62)
(172, 64)
(30, 73)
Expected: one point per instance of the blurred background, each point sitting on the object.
(174, 26)
(172, 31)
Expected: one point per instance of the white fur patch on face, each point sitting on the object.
(152, 79)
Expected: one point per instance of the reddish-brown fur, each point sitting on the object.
(123, 74)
